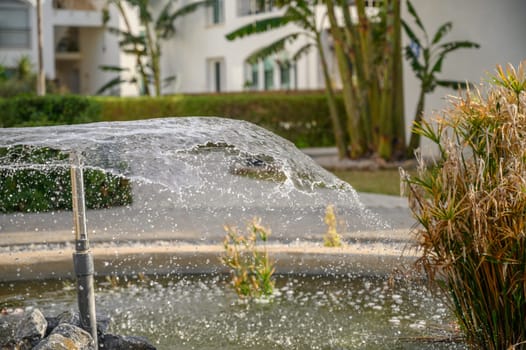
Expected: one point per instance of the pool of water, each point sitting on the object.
(306, 312)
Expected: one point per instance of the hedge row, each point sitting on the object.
(28, 110)
(303, 118)
(39, 190)
(300, 117)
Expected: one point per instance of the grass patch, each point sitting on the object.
(372, 181)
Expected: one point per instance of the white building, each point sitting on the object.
(203, 60)
(75, 42)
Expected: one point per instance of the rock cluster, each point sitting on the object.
(32, 330)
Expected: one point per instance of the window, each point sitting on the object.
(216, 12)
(268, 74)
(14, 24)
(284, 74)
(216, 75)
(251, 76)
(252, 7)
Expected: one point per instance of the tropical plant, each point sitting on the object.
(428, 65)
(369, 62)
(146, 47)
(18, 80)
(41, 76)
(302, 13)
(470, 203)
(368, 51)
(251, 267)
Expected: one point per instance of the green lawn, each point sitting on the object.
(377, 181)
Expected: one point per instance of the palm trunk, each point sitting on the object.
(136, 49)
(41, 77)
(154, 53)
(398, 83)
(338, 130)
(414, 141)
(353, 113)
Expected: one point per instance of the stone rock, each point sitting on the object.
(103, 323)
(117, 342)
(8, 325)
(32, 327)
(67, 337)
(69, 317)
(52, 322)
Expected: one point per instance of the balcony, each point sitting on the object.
(81, 13)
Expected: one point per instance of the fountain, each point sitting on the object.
(188, 178)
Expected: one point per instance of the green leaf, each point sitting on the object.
(259, 26)
(112, 83)
(437, 67)
(411, 56)
(454, 84)
(413, 13)
(443, 30)
(191, 7)
(301, 15)
(169, 80)
(411, 34)
(113, 68)
(275, 47)
(302, 51)
(455, 45)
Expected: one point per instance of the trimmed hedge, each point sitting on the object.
(27, 110)
(301, 117)
(34, 190)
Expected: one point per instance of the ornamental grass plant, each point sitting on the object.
(471, 204)
(247, 258)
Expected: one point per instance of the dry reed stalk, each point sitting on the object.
(471, 204)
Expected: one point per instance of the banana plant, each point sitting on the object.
(368, 51)
(147, 47)
(426, 56)
(301, 13)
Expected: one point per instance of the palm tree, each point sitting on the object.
(368, 51)
(41, 78)
(429, 64)
(369, 63)
(146, 47)
(302, 14)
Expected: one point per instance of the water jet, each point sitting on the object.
(187, 178)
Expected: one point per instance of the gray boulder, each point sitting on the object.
(32, 328)
(118, 342)
(67, 337)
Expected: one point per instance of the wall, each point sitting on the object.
(196, 41)
(498, 26)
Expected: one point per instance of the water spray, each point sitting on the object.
(82, 258)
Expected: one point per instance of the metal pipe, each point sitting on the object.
(82, 258)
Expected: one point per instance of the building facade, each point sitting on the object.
(76, 42)
(203, 60)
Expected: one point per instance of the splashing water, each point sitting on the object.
(190, 176)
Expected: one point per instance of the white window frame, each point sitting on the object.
(216, 74)
(218, 6)
(251, 7)
(24, 29)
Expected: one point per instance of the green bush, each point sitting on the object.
(34, 190)
(29, 110)
(302, 118)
